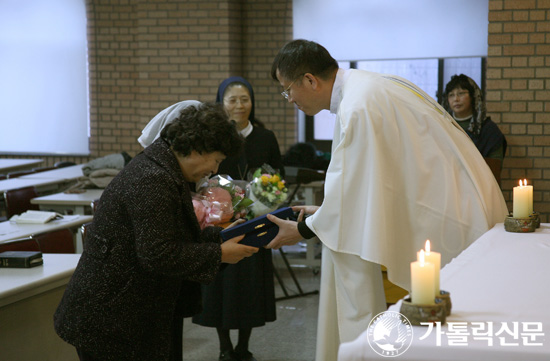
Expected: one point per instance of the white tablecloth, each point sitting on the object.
(501, 278)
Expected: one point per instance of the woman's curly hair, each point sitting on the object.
(205, 129)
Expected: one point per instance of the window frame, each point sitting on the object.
(326, 145)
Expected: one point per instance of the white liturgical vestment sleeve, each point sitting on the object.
(402, 171)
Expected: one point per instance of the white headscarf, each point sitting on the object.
(152, 130)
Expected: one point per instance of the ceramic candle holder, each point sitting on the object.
(446, 298)
(535, 215)
(521, 225)
(424, 313)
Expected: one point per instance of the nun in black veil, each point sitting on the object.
(242, 296)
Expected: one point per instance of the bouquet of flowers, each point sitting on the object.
(267, 190)
(219, 200)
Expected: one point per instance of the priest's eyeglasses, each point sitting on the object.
(286, 93)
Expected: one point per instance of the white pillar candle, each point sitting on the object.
(435, 259)
(521, 201)
(422, 282)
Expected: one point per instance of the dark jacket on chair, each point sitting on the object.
(143, 260)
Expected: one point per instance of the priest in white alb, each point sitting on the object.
(401, 172)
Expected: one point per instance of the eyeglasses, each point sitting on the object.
(286, 93)
(458, 94)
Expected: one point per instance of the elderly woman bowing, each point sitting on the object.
(145, 255)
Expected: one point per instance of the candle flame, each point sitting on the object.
(520, 183)
(428, 246)
(421, 258)
(525, 182)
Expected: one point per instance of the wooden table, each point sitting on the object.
(69, 203)
(12, 230)
(69, 173)
(42, 184)
(28, 300)
(51, 181)
(9, 165)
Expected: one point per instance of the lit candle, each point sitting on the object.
(422, 282)
(435, 259)
(521, 201)
(530, 193)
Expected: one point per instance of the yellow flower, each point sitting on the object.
(280, 185)
(265, 180)
(275, 179)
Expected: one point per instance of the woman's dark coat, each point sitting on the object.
(143, 259)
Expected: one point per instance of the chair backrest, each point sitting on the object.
(94, 204)
(21, 244)
(64, 164)
(3, 176)
(20, 173)
(19, 200)
(60, 241)
(84, 231)
(43, 169)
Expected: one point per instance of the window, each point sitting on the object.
(422, 72)
(415, 35)
(43, 77)
(473, 67)
(431, 75)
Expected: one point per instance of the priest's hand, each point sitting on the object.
(304, 210)
(288, 233)
(233, 252)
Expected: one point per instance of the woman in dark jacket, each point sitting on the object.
(464, 101)
(145, 255)
(243, 295)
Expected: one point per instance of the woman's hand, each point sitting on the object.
(304, 210)
(233, 252)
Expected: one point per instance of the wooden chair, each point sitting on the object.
(63, 164)
(21, 244)
(94, 204)
(43, 169)
(20, 173)
(19, 200)
(60, 241)
(84, 230)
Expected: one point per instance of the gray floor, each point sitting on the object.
(290, 338)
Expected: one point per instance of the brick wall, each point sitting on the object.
(146, 55)
(518, 92)
(152, 54)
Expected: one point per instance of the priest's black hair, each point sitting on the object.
(299, 57)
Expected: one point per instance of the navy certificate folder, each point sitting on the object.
(258, 231)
